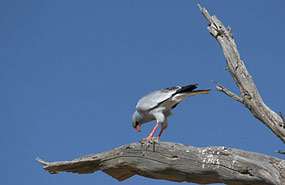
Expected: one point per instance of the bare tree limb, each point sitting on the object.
(178, 162)
(283, 119)
(250, 96)
(227, 92)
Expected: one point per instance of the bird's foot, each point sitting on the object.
(151, 139)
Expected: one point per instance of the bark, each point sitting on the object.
(178, 162)
(250, 96)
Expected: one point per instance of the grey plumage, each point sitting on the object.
(157, 105)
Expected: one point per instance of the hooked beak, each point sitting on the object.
(138, 127)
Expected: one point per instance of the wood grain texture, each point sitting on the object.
(179, 162)
(250, 96)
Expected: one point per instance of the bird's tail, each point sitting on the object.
(207, 91)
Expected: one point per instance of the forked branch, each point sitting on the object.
(178, 162)
(250, 96)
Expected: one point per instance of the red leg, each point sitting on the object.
(152, 132)
(160, 133)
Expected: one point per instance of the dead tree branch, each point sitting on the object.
(227, 92)
(250, 96)
(178, 162)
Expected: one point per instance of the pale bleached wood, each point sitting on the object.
(250, 96)
(179, 162)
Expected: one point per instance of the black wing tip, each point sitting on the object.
(191, 85)
(187, 88)
(171, 88)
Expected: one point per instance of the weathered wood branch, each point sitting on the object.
(227, 92)
(250, 96)
(178, 162)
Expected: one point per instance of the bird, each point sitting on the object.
(158, 104)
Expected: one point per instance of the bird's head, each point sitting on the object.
(136, 121)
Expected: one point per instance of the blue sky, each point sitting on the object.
(71, 73)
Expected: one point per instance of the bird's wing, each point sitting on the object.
(153, 99)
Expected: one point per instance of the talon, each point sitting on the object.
(148, 138)
(151, 139)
